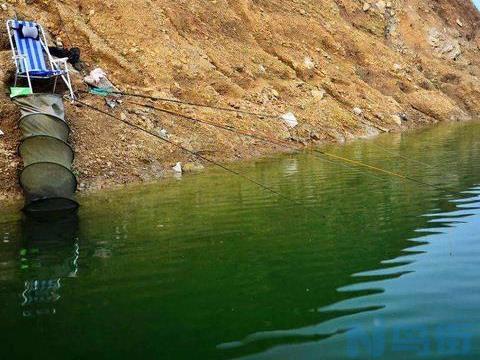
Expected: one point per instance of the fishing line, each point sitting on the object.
(256, 137)
(175, 101)
(227, 169)
(283, 143)
(391, 153)
(271, 116)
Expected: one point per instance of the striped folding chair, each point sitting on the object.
(32, 57)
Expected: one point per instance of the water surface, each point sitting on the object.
(212, 267)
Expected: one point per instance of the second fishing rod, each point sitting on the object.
(291, 146)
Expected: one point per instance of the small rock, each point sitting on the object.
(178, 168)
(123, 117)
(289, 119)
(318, 93)
(1, 133)
(459, 23)
(4, 7)
(315, 136)
(357, 111)
(381, 6)
(397, 119)
(308, 62)
(234, 105)
(163, 134)
(366, 6)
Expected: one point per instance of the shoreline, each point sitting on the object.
(16, 200)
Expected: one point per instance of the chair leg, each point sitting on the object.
(28, 75)
(69, 85)
(29, 82)
(55, 84)
(16, 79)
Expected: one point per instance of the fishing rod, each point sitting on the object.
(288, 145)
(253, 136)
(175, 101)
(213, 162)
(262, 115)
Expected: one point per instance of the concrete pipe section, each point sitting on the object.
(47, 178)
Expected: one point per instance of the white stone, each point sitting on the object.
(177, 168)
(308, 62)
(289, 119)
(357, 111)
(163, 134)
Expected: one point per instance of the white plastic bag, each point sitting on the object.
(95, 77)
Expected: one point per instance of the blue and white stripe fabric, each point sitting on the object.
(32, 49)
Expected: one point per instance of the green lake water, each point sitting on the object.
(210, 266)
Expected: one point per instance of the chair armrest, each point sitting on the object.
(60, 60)
(16, 57)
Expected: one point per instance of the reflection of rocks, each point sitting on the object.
(102, 253)
(291, 166)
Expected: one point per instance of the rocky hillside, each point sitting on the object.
(346, 68)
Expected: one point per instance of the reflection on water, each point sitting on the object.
(211, 267)
(419, 304)
(49, 253)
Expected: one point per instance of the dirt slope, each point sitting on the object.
(346, 68)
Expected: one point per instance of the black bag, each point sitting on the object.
(72, 54)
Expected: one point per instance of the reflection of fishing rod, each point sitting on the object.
(288, 145)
